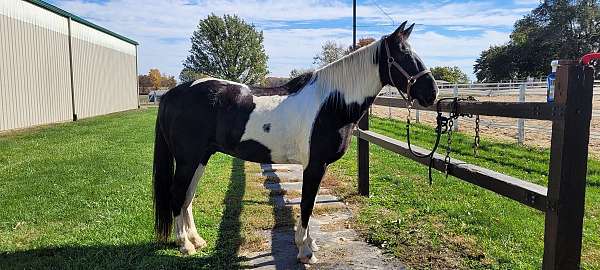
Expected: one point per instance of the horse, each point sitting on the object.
(307, 121)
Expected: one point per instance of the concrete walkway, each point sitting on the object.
(340, 247)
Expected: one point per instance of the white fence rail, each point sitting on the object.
(506, 91)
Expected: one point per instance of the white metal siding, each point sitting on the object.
(35, 78)
(35, 83)
(104, 72)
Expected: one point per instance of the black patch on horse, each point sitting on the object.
(290, 88)
(267, 127)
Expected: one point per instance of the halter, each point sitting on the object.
(410, 80)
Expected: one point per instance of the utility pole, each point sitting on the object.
(353, 25)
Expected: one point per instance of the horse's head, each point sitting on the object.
(401, 67)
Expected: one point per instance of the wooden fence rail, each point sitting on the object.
(563, 199)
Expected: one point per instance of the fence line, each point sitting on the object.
(562, 200)
(520, 90)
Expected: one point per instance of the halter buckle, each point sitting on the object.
(391, 60)
(412, 80)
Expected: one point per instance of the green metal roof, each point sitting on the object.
(78, 19)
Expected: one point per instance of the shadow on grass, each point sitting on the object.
(283, 249)
(146, 255)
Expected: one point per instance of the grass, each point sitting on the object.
(78, 196)
(453, 224)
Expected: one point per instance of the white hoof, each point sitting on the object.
(187, 248)
(197, 241)
(309, 259)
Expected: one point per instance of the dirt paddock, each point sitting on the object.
(537, 132)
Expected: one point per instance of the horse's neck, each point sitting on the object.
(351, 83)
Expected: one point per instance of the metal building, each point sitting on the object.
(56, 67)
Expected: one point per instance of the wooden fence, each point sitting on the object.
(517, 91)
(563, 199)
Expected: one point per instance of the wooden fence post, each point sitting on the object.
(568, 166)
(521, 121)
(363, 158)
(455, 94)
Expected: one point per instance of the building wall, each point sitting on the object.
(35, 69)
(35, 86)
(104, 72)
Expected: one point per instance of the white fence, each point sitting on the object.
(506, 91)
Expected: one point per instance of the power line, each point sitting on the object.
(383, 11)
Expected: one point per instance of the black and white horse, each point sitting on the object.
(307, 121)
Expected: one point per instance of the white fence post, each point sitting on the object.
(520, 121)
(455, 94)
(417, 116)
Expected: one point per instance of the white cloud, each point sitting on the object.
(163, 28)
(527, 2)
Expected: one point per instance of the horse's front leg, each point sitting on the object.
(312, 176)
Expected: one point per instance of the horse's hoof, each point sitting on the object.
(188, 249)
(198, 242)
(310, 259)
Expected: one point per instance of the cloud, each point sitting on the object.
(295, 30)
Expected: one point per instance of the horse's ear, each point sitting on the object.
(406, 33)
(399, 31)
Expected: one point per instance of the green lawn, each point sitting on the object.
(453, 224)
(78, 196)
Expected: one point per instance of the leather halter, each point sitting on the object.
(410, 80)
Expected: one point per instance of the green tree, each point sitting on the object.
(227, 48)
(330, 52)
(188, 75)
(168, 81)
(559, 29)
(450, 74)
(297, 72)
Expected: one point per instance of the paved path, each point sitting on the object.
(340, 247)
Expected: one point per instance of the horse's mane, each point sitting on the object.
(289, 88)
(356, 75)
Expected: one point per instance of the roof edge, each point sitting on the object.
(78, 19)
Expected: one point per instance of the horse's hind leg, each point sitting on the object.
(188, 216)
(187, 174)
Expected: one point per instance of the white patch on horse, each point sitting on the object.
(215, 79)
(190, 225)
(305, 244)
(187, 235)
(291, 119)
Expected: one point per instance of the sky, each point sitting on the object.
(448, 33)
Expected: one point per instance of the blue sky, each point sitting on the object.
(448, 33)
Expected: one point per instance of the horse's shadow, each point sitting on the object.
(147, 255)
(283, 249)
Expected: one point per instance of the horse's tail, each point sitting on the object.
(163, 178)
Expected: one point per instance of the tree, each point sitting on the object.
(188, 75)
(297, 72)
(168, 81)
(227, 48)
(155, 77)
(450, 74)
(330, 52)
(361, 43)
(558, 29)
(144, 81)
